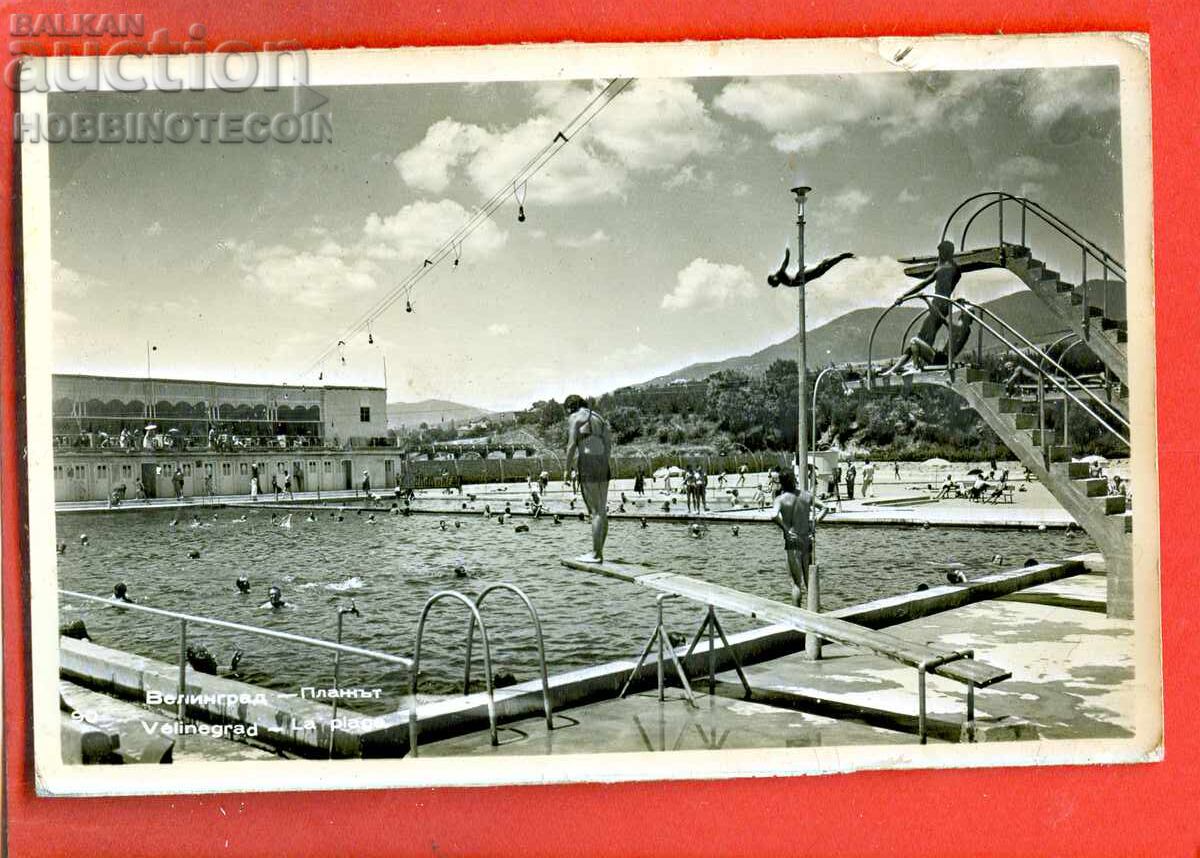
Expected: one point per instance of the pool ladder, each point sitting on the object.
(475, 617)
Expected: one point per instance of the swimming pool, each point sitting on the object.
(392, 566)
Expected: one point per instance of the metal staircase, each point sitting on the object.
(1019, 418)
(1083, 307)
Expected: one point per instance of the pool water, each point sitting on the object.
(392, 566)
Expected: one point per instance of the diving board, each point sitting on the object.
(965, 670)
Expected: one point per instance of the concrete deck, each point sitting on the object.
(641, 723)
(1072, 679)
(899, 504)
(137, 724)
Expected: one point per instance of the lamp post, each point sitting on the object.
(816, 388)
(802, 357)
(812, 643)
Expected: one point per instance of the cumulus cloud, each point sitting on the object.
(496, 329)
(850, 201)
(69, 283)
(154, 229)
(1053, 94)
(417, 229)
(447, 143)
(313, 277)
(906, 196)
(1021, 174)
(653, 126)
(688, 175)
(708, 285)
(807, 113)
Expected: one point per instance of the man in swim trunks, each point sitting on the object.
(944, 278)
(793, 514)
(589, 438)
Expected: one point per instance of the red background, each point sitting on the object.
(1095, 810)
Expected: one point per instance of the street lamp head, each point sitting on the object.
(801, 193)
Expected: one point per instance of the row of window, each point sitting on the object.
(79, 472)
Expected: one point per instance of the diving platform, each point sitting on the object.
(957, 666)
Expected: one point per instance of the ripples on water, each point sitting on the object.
(389, 568)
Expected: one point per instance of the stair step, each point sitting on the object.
(1093, 487)
(1107, 324)
(1060, 453)
(991, 390)
(973, 375)
(1064, 286)
(1114, 504)
(1035, 435)
(1009, 405)
(1024, 420)
(1128, 516)
(1078, 470)
(1122, 336)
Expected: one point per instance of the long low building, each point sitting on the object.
(99, 407)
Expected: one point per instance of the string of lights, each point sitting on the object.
(452, 246)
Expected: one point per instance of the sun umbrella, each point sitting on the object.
(936, 463)
(1095, 459)
(151, 425)
(673, 471)
(975, 472)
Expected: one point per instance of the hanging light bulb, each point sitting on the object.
(408, 306)
(321, 376)
(457, 253)
(370, 336)
(519, 194)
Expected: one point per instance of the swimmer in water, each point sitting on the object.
(442, 524)
(287, 522)
(371, 518)
(195, 521)
(83, 539)
(457, 525)
(240, 519)
(735, 530)
(645, 524)
(62, 548)
(121, 593)
(174, 522)
(557, 519)
(310, 518)
(243, 584)
(274, 599)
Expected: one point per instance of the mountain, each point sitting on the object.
(432, 412)
(845, 339)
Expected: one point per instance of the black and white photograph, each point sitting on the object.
(566, 413)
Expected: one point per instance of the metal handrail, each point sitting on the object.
(537, 628)
(879, 321)
(184, 619)
(1120, 418)
(258, 630)
(416, 663)
(1050, 218)
(963, 304)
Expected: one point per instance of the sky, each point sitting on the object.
(646, 244)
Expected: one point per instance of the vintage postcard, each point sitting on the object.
(561, 413)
